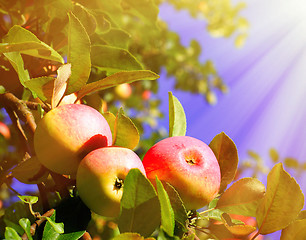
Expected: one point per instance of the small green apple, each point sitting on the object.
(100, 178)
(67, 133)
(189, 165)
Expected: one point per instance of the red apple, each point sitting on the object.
(4, 130)
(100, 178)
(189, 165)
(67, 133)
(146, 95)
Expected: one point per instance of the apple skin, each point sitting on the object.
(98, 174)
(189, 165)
(67, 133)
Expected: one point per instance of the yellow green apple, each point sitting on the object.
(67, 133)
(100, 178)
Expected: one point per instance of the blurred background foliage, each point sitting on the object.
(133, 33)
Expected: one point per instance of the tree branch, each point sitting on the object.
(8, 99)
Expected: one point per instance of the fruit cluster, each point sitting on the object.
(76, 140)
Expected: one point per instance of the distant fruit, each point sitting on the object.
(5, 131)
(146, 95)
(123, 90)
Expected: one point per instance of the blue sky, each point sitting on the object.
(265, 106)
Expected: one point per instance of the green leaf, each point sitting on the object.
(147, 11)
(130, 236)
(78, 54)
(75, 216)
(11, 234)
(242, 197)
(41, 86)
(140, 209)
(226, 153)
(15, 212)
(113, 59)
(296, 230)
(2, 89)
(215, 214)
(13, 225)
(178, 207)
(17, 62)
(86, 18)
(177, 117)
(23, 41)
(125, 132)
(111, 119)
(282, 203)
(116, 79)
(117, 38)
(167, 213)
(29, 199)
(26, 225)
(58, 227)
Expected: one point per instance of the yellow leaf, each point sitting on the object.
(242, 197)
(60, 84)
(282, 203)
(226, 153)
(295, 231)
(125, 132)
(30, 171)
(237, 229)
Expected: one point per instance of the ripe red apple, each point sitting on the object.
(189, 165)
(101, 175)
(67, 133)
(4, 130)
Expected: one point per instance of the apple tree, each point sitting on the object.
(76, 96)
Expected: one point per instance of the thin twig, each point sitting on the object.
(35, 105)
(17, 105)
(37, 223)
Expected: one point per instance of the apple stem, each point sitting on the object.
(255, 236)
(118, 184)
